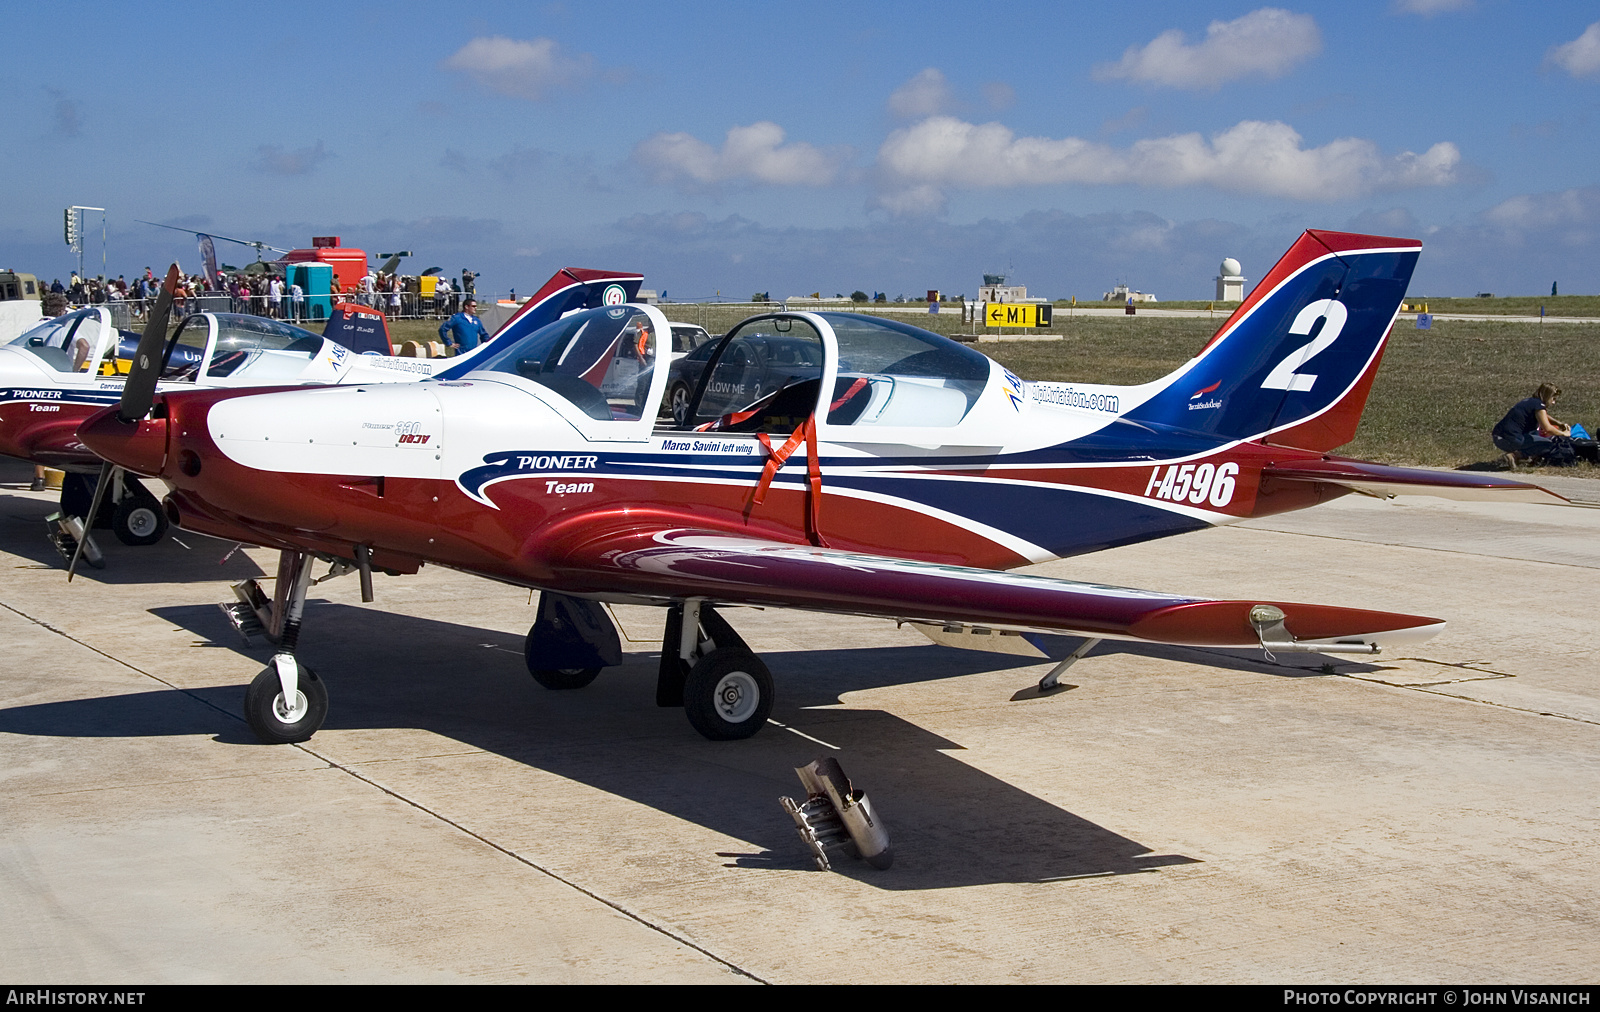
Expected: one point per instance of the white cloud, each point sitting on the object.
(520, 68)
(999, 95)
(276, 160)
(1581, 56)
(911, 201)
(754, 153)
(1268, 42)
(925, 94)
(1428, 8)
(1535, 211)
(1251, 157)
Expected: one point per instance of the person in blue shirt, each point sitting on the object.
(1526, 430)
(463, 331)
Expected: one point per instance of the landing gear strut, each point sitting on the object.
(724, 689)
(572, 639)
(287, 702)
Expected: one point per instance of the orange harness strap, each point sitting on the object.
(806, 431)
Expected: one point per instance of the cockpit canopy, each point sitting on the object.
(601, 360)
(73, 342)
(266, 350)
(241, 345)
(765, 375)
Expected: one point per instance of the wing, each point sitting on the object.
(664, 561)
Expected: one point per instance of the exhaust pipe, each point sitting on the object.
(837, 817)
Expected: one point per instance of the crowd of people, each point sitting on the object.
(260, 294)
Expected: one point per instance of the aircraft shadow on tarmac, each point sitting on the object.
(952, 824)
(23, 533)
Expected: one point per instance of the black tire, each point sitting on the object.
(678, 403)
(717, 697)
(261, 707)
(554, 678)
(564, 678)
(139, 520)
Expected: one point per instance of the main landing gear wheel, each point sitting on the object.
(569, 644)
(277, 722)
(728, 694)
(138, 520)
(564, 678)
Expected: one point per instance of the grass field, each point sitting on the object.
(1437, 395)
(1587, 306)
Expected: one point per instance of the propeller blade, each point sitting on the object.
(100, 487)
(259, 246)
(140, 391)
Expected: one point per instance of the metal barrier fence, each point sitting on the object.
(715, 317)
(128, 314)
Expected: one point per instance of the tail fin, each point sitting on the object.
(1294, 363)
(568, 290)
(362, 329)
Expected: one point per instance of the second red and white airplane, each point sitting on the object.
(827, 461)
(60, 372)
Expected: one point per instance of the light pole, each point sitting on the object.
(74, 234)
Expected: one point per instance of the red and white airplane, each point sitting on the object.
(928, 472)
(60, 372)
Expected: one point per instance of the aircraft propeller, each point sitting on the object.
(138, 394)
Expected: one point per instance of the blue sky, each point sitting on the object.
(826, 146)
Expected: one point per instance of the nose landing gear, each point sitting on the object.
(286, 702)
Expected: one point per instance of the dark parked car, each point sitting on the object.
(753, 366)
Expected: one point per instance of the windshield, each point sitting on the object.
(185, 348)
(265, 349)
(894, 374)
(600, 360)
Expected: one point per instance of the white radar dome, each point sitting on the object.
(1230, 268)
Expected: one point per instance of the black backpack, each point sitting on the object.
(1560, 454)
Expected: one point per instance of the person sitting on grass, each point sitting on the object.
(1527, 431)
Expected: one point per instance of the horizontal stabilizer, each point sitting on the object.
(1385, 481)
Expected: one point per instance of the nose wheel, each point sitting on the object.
(287, 702)
(279, 720)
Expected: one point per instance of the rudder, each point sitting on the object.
(1294, 363)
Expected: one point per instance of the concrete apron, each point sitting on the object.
(1179, 815)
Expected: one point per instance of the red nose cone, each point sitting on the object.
(137, 446)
